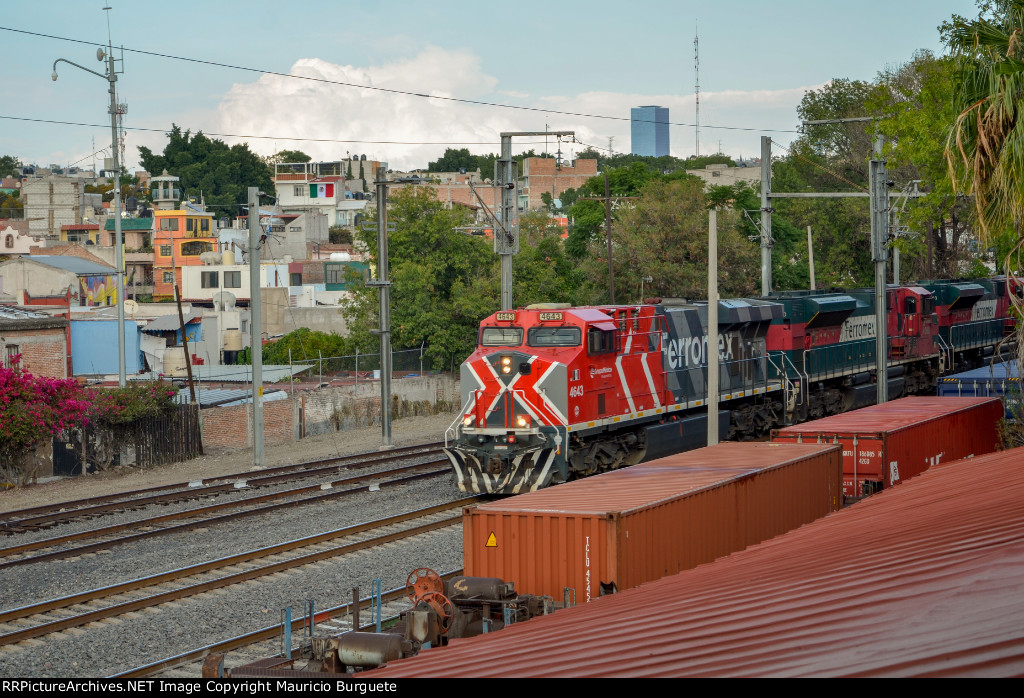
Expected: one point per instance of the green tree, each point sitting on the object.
(220, 173)
(663, 236)
(11, 205)
(10, 166)
(916, 100)
(453, 160)
(443, 281)
(985, 148)
(288, 156)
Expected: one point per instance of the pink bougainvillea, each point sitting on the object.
(34, 408)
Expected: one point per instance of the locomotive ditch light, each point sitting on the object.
(468, 421)
(523, 422)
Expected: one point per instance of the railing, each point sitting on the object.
(839, 359)
(455, 428)
(976, 334)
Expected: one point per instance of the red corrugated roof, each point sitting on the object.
(923, 579)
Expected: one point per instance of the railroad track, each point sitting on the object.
(268, 642)
(88, 609)
(57, 548)
(34, 518)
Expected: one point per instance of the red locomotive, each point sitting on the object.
(554, 392)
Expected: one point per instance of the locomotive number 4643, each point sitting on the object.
(576, 391)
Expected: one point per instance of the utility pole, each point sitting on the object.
(384, 286)
(111, 78)
(879, 191)
(878, 195)
(712, 327)
(255, 327)
(810, 254)
(766, 215)
(506, 239)
(608, 231)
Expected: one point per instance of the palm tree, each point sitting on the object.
(985, 147)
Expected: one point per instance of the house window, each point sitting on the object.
(334, 274)
(245, 326)
(300, 190)
(232, 279)
(165, 250)
(295, 229)
(9, 242)
(277, 228)
(204, 225)
(190, 225)
(168, 277)
(12, 351)
(196, 248)
(295, 279)
(168, 224)
(209, 279)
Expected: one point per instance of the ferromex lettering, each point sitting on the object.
(855, 328)
(691, 352)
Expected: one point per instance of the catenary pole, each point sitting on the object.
(766, 215)
(712, 351)
(255, 327)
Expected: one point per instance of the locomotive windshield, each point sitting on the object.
(554, 337)
(501, 336)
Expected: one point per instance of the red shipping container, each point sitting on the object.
(886, 444)
(638, 524)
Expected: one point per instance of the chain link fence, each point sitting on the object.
(405, 362)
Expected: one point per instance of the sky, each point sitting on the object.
(563, 66)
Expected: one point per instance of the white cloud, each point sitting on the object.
(419, 129)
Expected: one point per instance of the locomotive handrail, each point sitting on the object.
(458, 419)
(946, 351)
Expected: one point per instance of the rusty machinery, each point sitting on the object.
(442, 610)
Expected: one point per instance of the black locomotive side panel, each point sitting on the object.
(743, 326)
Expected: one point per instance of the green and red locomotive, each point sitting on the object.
(554, 392)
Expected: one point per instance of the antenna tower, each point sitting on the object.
(696, 70)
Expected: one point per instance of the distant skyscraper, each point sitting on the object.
(649, 130)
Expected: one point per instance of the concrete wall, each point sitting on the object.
(330, 409)
(51, 202)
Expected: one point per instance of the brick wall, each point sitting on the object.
(43, 352)
(231, 427)
(543, 176)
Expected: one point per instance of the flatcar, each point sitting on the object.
(554, 392)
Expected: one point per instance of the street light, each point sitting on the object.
(111, 78)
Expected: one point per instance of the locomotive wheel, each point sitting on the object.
(421, 581)
(442, 607)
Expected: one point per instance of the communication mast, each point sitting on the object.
(696, 71)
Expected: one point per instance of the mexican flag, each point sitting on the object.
(324, 190)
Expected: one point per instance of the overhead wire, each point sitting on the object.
(389, 90)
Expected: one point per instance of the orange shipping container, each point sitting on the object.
(638, 524)
(886, 444)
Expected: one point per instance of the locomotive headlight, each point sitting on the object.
(506, 369)
(523, 422)
(506, 364)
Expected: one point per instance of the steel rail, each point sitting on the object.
(101, 545)
(218, 583)
(260, 635)
(59, 512)
(192, 570)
